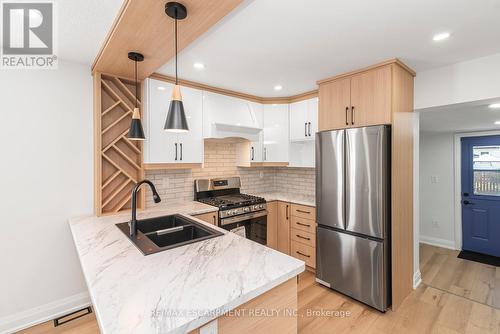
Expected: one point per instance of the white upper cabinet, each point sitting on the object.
(226, 116)
(191, 146)
(303, 120)
(276, 134)
(161, 146)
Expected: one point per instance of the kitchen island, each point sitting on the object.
(181, 289)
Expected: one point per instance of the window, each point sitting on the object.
(486, 166)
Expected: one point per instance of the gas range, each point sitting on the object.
(233, 205)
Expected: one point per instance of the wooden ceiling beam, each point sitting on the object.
(143, 26)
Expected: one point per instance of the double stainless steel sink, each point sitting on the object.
(161, 233)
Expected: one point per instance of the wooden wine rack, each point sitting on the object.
(118, 161)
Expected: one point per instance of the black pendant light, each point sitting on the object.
(176, 118)
(136, 132)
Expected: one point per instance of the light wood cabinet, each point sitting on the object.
(209, 217)
(371, 97)
(283, 227)
(334, 104)
(363, 98)
(272, 225)
(305, 253)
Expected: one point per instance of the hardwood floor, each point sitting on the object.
(442, 269)
(427, 310)
(84, 325)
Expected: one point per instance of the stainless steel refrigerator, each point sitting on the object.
(353, 213)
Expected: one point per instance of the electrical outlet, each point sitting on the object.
(434, 179)
(435, 223)
(210, 328)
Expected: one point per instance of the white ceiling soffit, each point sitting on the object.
(463, 117)
(294, 43)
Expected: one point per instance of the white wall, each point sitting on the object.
(437, 189)
(47, 177)
(473, 80)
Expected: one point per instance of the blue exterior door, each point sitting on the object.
(481, 194)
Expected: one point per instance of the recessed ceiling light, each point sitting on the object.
(161, 88)
(278, 87)
(497, 122)
(199, 66)
(441, 36)
(495, 106)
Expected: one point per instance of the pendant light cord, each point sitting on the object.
(136, 84)
(176, 76)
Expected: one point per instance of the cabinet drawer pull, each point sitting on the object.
(302, 211)
(287, 212)
(346, 115)
(303, 254)
(352, 115)
(253, 153)
(215, 222)
(299, 236)
(175, 151)
(301, 224)
(181, 150)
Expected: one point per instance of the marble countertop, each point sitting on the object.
(287, 197)
(176, 290)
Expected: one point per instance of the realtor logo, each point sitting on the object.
(28, 35)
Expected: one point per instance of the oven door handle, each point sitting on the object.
(243, 217)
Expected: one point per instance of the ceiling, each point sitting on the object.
(83, 26)
(464, 117)
(294, 43)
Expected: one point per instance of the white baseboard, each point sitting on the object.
(417, 279)
(450, 244)
(43, 313)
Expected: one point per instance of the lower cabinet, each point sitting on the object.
(283, 228)
(272, 225)
(304, 252)
(210, 217)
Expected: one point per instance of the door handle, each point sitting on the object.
(466, 202)
(352, 115)
(346, 115)
(252, 155)
(305, 129)
(287, 212)
(175, 151)
(180, 145)
(215, 222)
(265, 154)
(309, 124)
(466, 194)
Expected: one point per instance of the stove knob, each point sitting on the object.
(229, 212)
(256, 207)
(247, 209)
(261, 206)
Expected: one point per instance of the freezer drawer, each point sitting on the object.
(354, 266)
(367, 180)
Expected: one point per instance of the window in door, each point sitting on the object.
(486, 165)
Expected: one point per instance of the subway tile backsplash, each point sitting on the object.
(175, 185)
